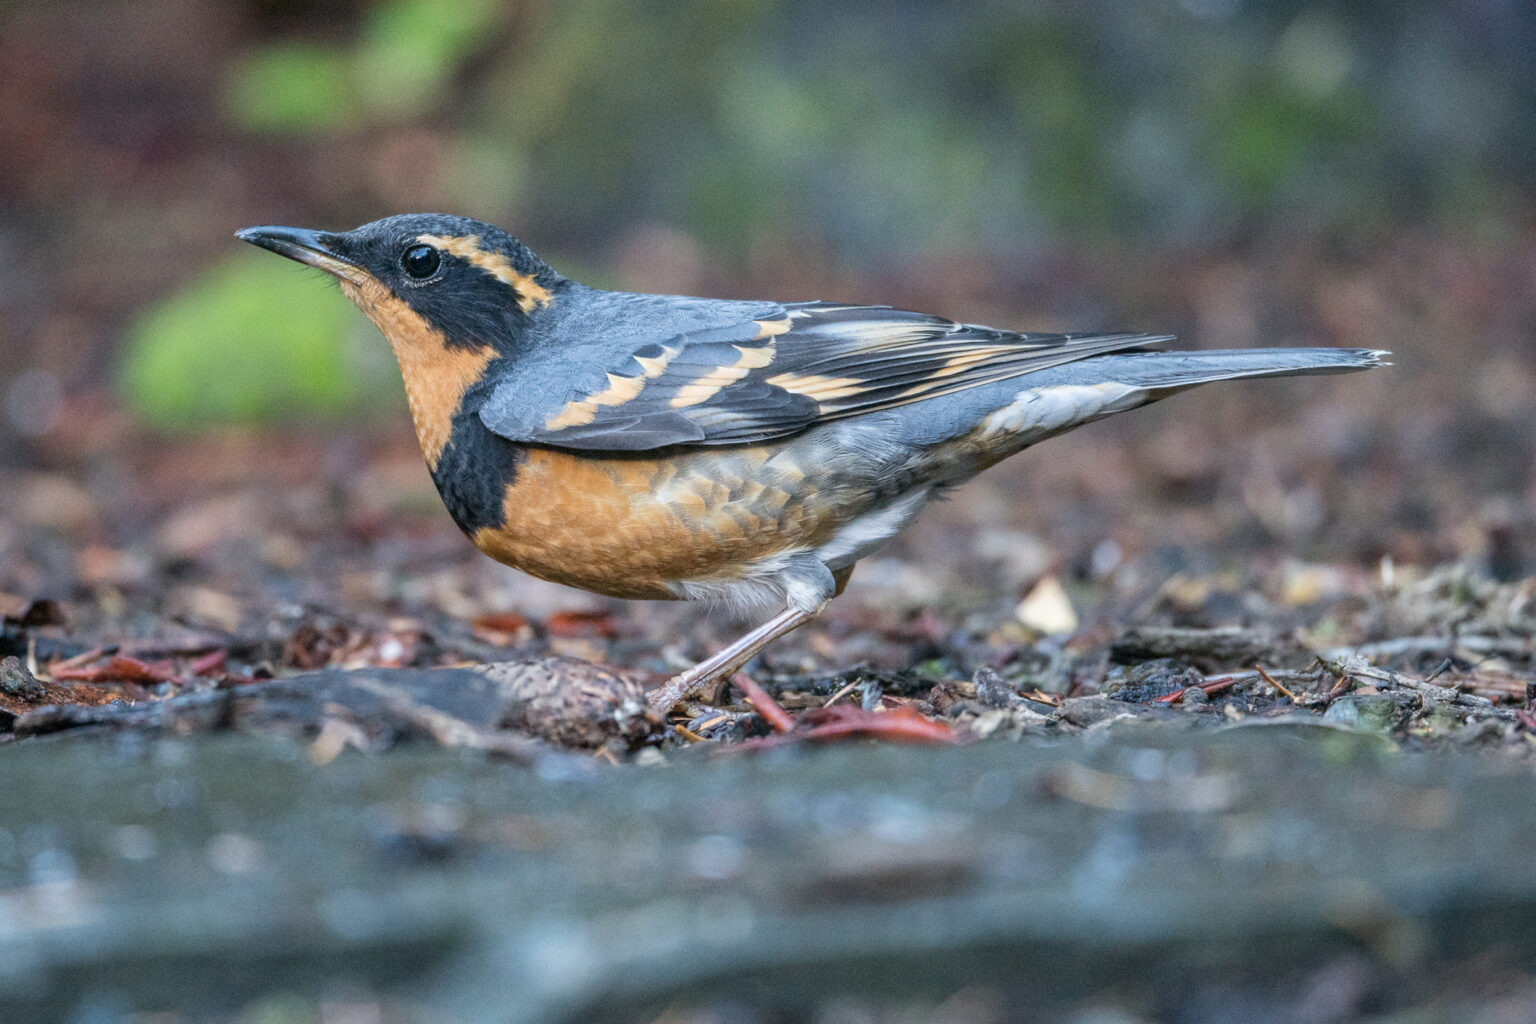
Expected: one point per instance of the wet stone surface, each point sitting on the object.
(1123, 864)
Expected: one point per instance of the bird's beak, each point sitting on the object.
(316, 248)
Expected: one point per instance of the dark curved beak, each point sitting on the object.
(316, 248)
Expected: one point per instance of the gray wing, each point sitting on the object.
(787, 369)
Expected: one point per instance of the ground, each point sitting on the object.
(1351, 558)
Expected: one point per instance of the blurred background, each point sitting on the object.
(198, 431)
(205, 449)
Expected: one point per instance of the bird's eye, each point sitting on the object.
(421, 261)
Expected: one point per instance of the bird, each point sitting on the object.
(652, 446)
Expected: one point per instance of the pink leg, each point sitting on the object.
(727, 660)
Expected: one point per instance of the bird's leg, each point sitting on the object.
(726, 660)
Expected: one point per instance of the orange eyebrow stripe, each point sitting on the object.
(530, 293)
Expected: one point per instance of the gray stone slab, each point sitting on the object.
(199, 875)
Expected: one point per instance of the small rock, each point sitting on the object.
(1369, 712)
(17, 682)
(1149, 681)
(950, 694)
(1086, 711)
(993, 691)
(1047, 609)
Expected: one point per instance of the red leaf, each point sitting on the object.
(121, 669)
(574, 623)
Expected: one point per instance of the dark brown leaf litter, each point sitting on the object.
(1182, 675)
(21, 691)
(239, 567)
(526, 711)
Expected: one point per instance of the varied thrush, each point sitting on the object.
(659, 446)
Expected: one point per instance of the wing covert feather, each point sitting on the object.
(797, 366)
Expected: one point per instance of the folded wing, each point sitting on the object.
(794, 367)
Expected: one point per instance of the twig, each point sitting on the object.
(1411, 644)
(699, 724)
(455, 732)
(777, 718)
(1210, 686)
(840, 694)
(1359, 669)
(1272, 681)
(1226, 645)
(83, 657)
(688, 734)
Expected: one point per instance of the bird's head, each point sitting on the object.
(449, 293)
(468, 282)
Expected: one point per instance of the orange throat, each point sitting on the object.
(436, 374)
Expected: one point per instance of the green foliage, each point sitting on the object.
(252, 340)
(923, 127)
(399, 68)
(289, 88)
(410, 49)
(1267, 134)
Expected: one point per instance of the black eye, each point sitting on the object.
(421, 261)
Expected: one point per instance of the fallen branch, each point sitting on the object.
(1475, 643)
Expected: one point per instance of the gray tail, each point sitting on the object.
(1157, 371)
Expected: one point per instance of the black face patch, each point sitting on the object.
(484, 293)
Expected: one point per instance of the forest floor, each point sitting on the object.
(1352, 559)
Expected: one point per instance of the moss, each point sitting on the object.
(251, 341)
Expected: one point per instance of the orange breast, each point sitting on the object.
(629, 526)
